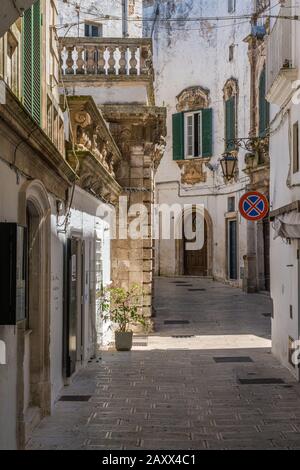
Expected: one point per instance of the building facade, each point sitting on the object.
(283, 62)
(73, 141)
(203, 75)
(116, 75)
(59, 161)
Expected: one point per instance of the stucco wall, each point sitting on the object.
(284, 189)
(8, 373)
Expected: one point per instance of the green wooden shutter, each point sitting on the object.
(178, 136)
(230, 123)
(264, 108)
(32, 61)
(207, 132)
(36, 62)
(27, 59)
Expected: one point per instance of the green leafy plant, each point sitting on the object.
(121, 306)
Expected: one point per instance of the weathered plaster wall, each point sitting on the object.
(108, 13)
(197, 54)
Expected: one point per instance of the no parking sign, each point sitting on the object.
(254, 206)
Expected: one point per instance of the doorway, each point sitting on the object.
(196, 261)
(232, 250)
(75, 287)
(266, 241)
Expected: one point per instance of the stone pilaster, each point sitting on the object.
(139, 131)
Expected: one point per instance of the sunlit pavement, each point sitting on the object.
(187, 385)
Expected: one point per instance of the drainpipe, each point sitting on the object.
(124, 19)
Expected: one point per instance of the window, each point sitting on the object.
(93, 30)
(231, 6)
(192, 134)
(231, 52)
(231, 204)
(12, 63)
(264, 107)
(296, 165)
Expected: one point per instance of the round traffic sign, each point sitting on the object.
(254, 206)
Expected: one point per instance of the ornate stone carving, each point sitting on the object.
(192, 172)
(193, 98)
(156, 151)
(91, 133)
(230, 89)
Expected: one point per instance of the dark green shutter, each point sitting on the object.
(32, 61)
(207, 132)
(264, 107)
(230, 123)
(178, 136)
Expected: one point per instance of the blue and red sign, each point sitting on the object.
(254, 206)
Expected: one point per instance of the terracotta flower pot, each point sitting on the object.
(123, 341)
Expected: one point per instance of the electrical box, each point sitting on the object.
(13, 269)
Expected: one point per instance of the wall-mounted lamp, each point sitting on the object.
(228, 164)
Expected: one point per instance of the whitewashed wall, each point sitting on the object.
(284, 189)
(8, 373)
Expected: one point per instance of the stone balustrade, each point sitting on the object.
(106, 57)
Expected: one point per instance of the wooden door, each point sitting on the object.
(195, 262)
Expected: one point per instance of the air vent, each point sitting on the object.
(183, 336)
(176, 322)
(196, 290)
(267, 381)
(232, 359)
(75, 398)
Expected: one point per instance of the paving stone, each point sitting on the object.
(171, 394)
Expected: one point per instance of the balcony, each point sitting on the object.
(94, 155)
(109, 62)
(281, 70)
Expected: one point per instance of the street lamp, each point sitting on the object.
(228, 165)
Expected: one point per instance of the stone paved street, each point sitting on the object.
(171, 392)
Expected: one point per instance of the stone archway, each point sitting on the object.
(180, 243)
(33, 381)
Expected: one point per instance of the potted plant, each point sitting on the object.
(121, 307)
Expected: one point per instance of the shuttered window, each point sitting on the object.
(192, 134)
(230, 123)
(264, 107)
(32, 61)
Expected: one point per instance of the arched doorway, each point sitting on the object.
(198, 262)
(34, 386)
(195, 261)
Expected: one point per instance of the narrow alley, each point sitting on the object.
(206, 379)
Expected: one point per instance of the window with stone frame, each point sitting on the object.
(192, 125)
